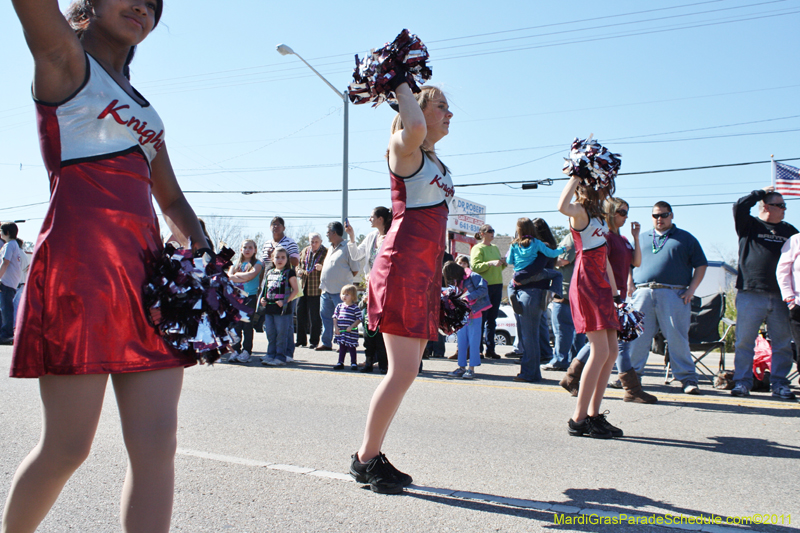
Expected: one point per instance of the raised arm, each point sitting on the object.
(58, 57)
(404, 146)
(176, 210)
(575, 212)
(636, 260)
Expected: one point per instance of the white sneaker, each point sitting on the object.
(233, 357)
(276, 362)
(267, 360)
(289, 359)
(244, 357)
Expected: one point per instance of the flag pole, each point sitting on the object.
(772, 157)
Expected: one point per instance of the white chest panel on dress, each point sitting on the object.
(103, 119)
(429, 186)
(594, 235)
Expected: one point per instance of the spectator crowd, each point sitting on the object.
(305, 298)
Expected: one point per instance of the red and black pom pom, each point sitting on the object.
(377, 76)
(193, 305)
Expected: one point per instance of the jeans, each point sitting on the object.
(469, 343)
(436, 348)
(568, 343)
(664, 308)
(489, 317)
(245, 329)
(7, 311)
(623, 355)
(545, 350)
(327, 305)
(530, 322)
(279, 335)
(309, 323)
(17, 298)
(753, 308)
(522, 277)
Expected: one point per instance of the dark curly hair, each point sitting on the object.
(79, 15)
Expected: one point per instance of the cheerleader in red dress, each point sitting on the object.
(592, 297)
(405, 282)
(82, 319)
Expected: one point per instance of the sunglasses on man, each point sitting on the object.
(781, 205)
(661, 215)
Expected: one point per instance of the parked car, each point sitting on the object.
(506, 332)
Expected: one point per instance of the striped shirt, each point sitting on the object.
(346, 316)
(286, 242)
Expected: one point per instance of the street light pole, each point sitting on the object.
(285, 50)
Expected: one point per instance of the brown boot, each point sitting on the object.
(572, 379)
(633, 388)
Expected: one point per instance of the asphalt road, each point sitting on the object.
(266, 449)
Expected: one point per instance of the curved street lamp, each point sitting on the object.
(285, 50)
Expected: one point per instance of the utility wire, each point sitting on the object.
(461, 185)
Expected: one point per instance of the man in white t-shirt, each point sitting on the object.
(10, 276)
(279, 238)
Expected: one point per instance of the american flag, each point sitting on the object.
(787, 180)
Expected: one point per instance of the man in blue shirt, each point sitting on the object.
(673, 265)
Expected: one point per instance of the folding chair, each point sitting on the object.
(707, 312)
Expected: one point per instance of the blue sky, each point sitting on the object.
(666, 84)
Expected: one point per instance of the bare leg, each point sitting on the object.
(404, 355)
(597, 369)
(71, 407)
(605, 373)
(148, 409)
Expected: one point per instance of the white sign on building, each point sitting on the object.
(466, 216)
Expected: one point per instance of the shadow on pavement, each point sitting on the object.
(629, 503)
(602, 501)
(749, 447)
(772, 406)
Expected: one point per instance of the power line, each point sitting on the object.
(604, 26)
(701, 204)
(634, 33)
(461, 185)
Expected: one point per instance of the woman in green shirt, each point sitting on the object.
(486, 260)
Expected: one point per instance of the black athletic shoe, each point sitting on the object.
(600, 420)
(378, 473)
(588, 428)
(402, 477)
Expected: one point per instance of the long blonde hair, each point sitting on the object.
(241, 260)
(610, 207)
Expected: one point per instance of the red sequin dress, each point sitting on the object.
(405, 284)
(590, 297)
(82, 311)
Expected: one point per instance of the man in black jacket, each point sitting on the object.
(759, 298)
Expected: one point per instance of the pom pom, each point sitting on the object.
(593, 163)
(192, 304)
(376, 76)
(631, 322)
(454, 311)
